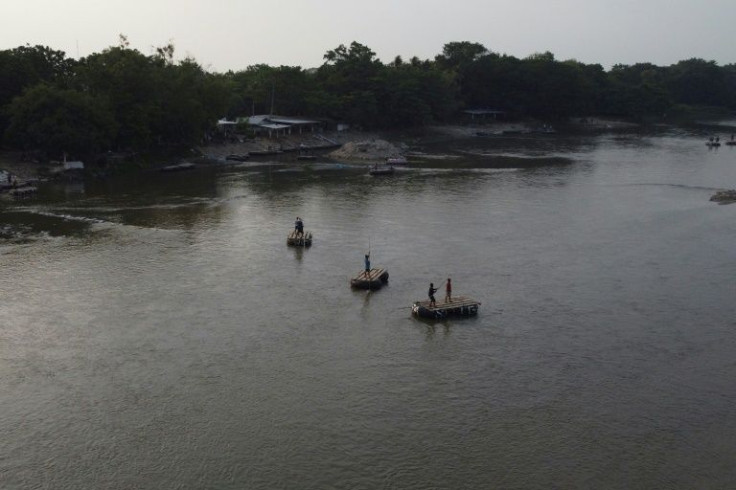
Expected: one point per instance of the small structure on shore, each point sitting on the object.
(73, 164)
(460, 306)
(375, 279)
(295, 239)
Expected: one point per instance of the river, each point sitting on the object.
(156, 331)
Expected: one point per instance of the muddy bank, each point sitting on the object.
(19, 168)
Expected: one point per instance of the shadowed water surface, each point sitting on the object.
(157, 332)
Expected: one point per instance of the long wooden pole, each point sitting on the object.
(368, 273)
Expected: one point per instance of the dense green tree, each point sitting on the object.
(58, 120)
(261, 89)
(26, 66)
(123, 99)
(353, 77)
(127, 80)
(189, 102)
(457, 56)
(729, 80)
(637, 90)
(155, 101)
(699, 82)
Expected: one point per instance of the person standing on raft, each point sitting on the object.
(367, 261)
(430, 293)
(448, 291)
(299, 226)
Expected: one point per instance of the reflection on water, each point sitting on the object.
(158, 332)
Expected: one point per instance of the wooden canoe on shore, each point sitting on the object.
(377, 277)
(295, 240)
(459, 306)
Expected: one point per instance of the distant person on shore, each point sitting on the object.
(448, 291)
(299, 226)
(367, 261)
(430, 293)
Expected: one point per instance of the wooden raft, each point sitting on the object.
(299, 241)
(377, 277)
(459, 306)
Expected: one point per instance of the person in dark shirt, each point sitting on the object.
(432, 290)
(299, 226)
(367, 266)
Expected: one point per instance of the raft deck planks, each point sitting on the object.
(299, 241)
(377, 276)
(459, 306)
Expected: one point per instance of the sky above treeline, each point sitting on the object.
(224, 35)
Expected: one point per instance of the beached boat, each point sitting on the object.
(304, 240)
(263, 153)
(178, 167)
(381, 170)
(237, 157)
(306, 157)
(459, 306)
(377, 277)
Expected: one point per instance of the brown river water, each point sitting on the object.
(156, 331)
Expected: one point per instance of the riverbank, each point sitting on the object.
(359, 147)
(13, 163)
(371, 147)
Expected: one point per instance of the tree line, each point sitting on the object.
(121, 99)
